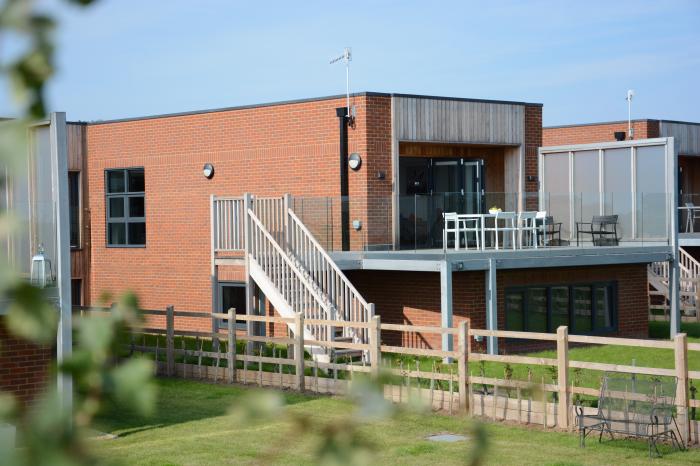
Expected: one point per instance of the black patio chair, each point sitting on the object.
(602, 228)
(552, 231)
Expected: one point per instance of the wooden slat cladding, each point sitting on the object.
(442, 120)
(687, 136)
(76, 135)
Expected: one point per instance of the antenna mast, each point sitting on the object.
(347, 58)
(630, 94)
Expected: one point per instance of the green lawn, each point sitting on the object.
(194, 425)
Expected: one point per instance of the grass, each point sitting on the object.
(192, 426)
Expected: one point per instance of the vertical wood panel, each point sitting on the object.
(687, 135)
(444, 120)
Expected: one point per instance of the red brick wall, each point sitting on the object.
(24, 367)
(533, 140)
(414, 297)
(584, 134)
(264, 150)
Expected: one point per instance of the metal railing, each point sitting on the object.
(228, 224)
(345, 300)
(291, 283)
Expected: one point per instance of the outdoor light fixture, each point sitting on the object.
(354, 161)
(208, 171)
(41, 272)
(357, 225)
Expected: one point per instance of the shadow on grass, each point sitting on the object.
(181, 401)
(637, 444)
(661, 330)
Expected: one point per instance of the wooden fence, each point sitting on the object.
(456, 390)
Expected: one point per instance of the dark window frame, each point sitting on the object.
(79, 221)
(223, 323)
(126, 219)
(76, 283)
(595, 330)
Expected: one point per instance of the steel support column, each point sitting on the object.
(491, 307)
(446, 303)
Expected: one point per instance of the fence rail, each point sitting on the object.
(456, 390)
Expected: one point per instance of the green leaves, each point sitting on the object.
(133, 386)
(30, 315)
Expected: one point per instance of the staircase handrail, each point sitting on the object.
(309, 287)
(327, 258)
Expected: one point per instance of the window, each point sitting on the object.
(76, 291)
(589, 308)
(126, 208)
(232, 295)
(74, 208)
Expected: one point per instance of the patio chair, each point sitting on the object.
(602, 228)
(468, 225)
(508, 225)
(690, 217)
(633, 406)
(451, 227)
(548, 231)
(527, 228)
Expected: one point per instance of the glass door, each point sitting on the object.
(473, 190)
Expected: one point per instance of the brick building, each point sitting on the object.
(380, 221)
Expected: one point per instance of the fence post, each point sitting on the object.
(681, 357)
(563, 377)
(231, 345)
(463, 364)
(375, 331)
(299, 349)
(170, 340)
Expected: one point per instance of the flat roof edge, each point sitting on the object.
(604, 145)
(617, 122)
(300, 101)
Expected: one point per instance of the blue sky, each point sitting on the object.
(122, 58)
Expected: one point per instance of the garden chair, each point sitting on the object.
(602, 228)
(633, 406)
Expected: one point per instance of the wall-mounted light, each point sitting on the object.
(208, 171)
(354, 161)
(41, 272)
(357, 225)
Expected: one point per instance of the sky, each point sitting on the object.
(128, 58)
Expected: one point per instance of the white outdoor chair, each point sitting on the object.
(451, 226)
(504, 222)
(468, 225)
(692, 215)
(541, 224)
(527, 228)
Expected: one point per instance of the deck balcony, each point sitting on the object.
(416, 223)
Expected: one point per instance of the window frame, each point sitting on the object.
(126, 219)
(79, 174)
(595, 330)
(221, 324)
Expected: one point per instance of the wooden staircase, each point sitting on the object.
(658, 273)
(295, 273)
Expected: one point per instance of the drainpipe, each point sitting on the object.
(342, 114)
